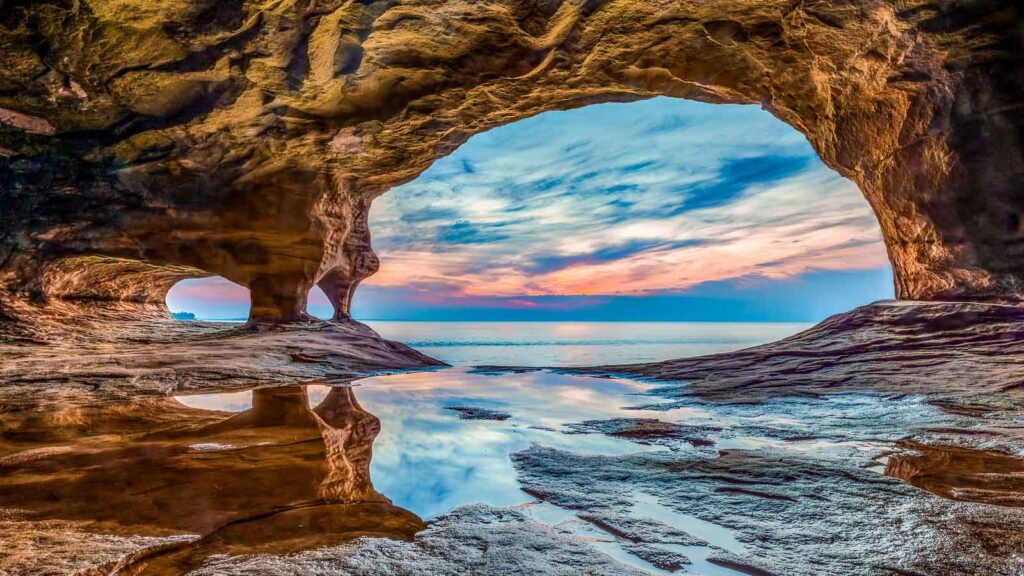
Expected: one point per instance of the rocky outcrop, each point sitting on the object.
(478, 413)
(790, 513)
(940, 348)
(645, 431)
(160, 356)
(142, 142)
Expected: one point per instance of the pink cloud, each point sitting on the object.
(215, 289)
(779, 252)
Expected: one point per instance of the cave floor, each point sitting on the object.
(889, 440)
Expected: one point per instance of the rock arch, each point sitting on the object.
(247, 139)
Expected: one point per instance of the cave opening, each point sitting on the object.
(142, 143)
(924, 141)
(212, 298)
(659, 209)
(216, 298)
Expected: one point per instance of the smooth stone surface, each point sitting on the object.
(790, 514)
(160, 356)
(645, 431)
(276, 480)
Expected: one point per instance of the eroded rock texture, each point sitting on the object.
(158, 356)
(789, 514)
(961, 349)
(142, 142)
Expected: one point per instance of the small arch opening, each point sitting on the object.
(213, 298)
(318, 305)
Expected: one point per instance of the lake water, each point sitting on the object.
(578, 343)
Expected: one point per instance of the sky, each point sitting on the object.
(663, 209)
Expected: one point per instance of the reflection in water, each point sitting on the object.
(287, 469)
(961, 473)
(278, 477)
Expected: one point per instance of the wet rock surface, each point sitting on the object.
(664, 559)
(645, 431)
(885, 440)
(855, 483)
(477, 539)
(477, 413)
(155, 487)
(640, 530)
(146, 142)
(158, 356)
(790, 514)
(951, 352)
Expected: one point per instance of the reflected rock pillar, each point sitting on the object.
(348, 432)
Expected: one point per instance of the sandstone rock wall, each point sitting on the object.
(145, 141)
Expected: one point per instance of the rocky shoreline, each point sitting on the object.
(954, 350)
(161, 357)
(882, 441)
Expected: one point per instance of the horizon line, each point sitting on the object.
(594, 321)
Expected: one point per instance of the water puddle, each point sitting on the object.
(647, 505)
(616, 547)
(960, 473)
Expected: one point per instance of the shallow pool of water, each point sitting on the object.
(429, 459)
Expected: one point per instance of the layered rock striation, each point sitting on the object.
(143, 142)
(952, 351)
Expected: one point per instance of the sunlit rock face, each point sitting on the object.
(109, 349)
(142, 142)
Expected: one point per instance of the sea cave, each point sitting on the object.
(451, 295)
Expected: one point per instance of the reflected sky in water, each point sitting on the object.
(429, 460)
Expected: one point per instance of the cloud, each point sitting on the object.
(754, 297)
(738, 175)
(610, 253)
(464, 232)
(213, 289)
